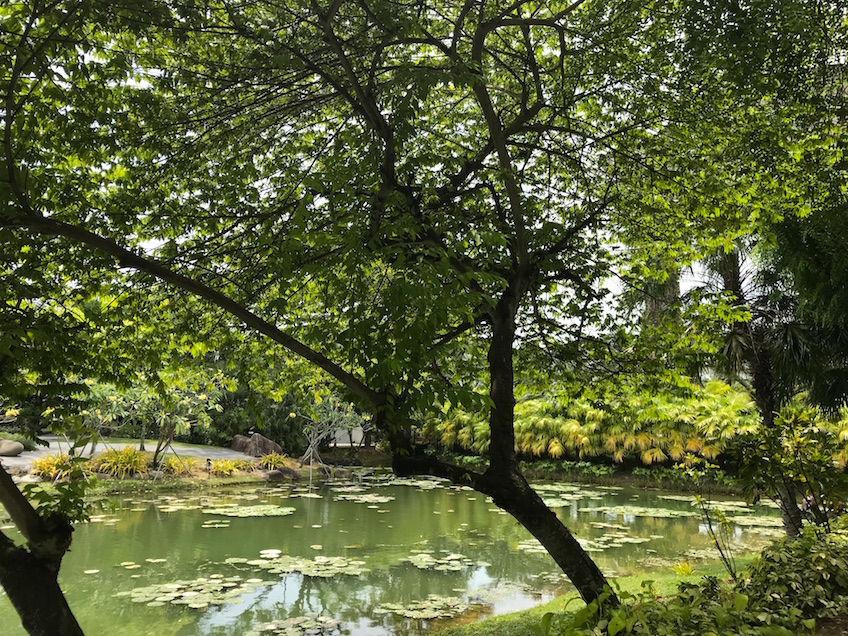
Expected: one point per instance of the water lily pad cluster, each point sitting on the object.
(642, 511)
(366, 498)
(757, 521)
(319, 566)
(262, 510)
(433, 606)
(422, 484)
(198, 594)
(312, 625)
(449, 563)
(615, 539)
(562, 495)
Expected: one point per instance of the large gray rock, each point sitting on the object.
(240, 443)
(282, 473)
(10, 448)
(260, 445)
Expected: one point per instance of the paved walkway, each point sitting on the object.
(58, 445)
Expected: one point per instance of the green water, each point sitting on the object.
(499, 570)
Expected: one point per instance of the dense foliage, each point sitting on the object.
(792, 583)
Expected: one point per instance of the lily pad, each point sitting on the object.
(310, 625)
(449, 563)
(267, 510)
(433, 606)
(319, 566)
(642, 511)
(197, 594)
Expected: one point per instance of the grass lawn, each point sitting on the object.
(525, 623)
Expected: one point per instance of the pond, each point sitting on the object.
(374, 557)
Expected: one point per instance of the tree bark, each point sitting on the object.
(29, 576)
(513, 494)
(34, 591)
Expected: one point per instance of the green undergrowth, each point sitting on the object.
(782, 592)
(527, 622)
(664, 477)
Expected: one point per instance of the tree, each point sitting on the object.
(374, 186)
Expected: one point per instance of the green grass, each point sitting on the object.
(525, 622)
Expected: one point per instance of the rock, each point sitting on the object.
(260, 445)
(342, 473)
(282, 473)
(10, 448)
(240, 443)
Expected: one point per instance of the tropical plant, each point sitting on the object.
(122, 463)
(301, 188)
(244, 465)
(179, 466)
(696, 609)
(799, 448)
(273, 460)
(223, 468)
(51, 467)
(653, 427)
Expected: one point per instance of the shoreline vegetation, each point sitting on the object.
(527, 622)
(128, 470)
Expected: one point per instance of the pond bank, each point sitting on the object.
(527, 622)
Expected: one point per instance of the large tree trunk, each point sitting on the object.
(35, 594)
(29, 575)
(503, 480)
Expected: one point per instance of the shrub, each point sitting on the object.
(245, 465)
(223, 467)
(28, 442)
(121, 463)
(811, 570)
(179, 465)
(272, 461)
(706, 608)
(51, 467)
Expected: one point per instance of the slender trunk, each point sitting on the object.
(165, 438)
(35, 594)
(503, 479)
(765, 396)
(141, 440)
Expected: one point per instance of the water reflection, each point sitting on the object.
(501, 569)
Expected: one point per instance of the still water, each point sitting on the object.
(374, 557)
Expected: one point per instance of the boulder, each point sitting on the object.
(342, 473)
(240, 443)
(10, 448)
(282, 473)
(260, 445)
